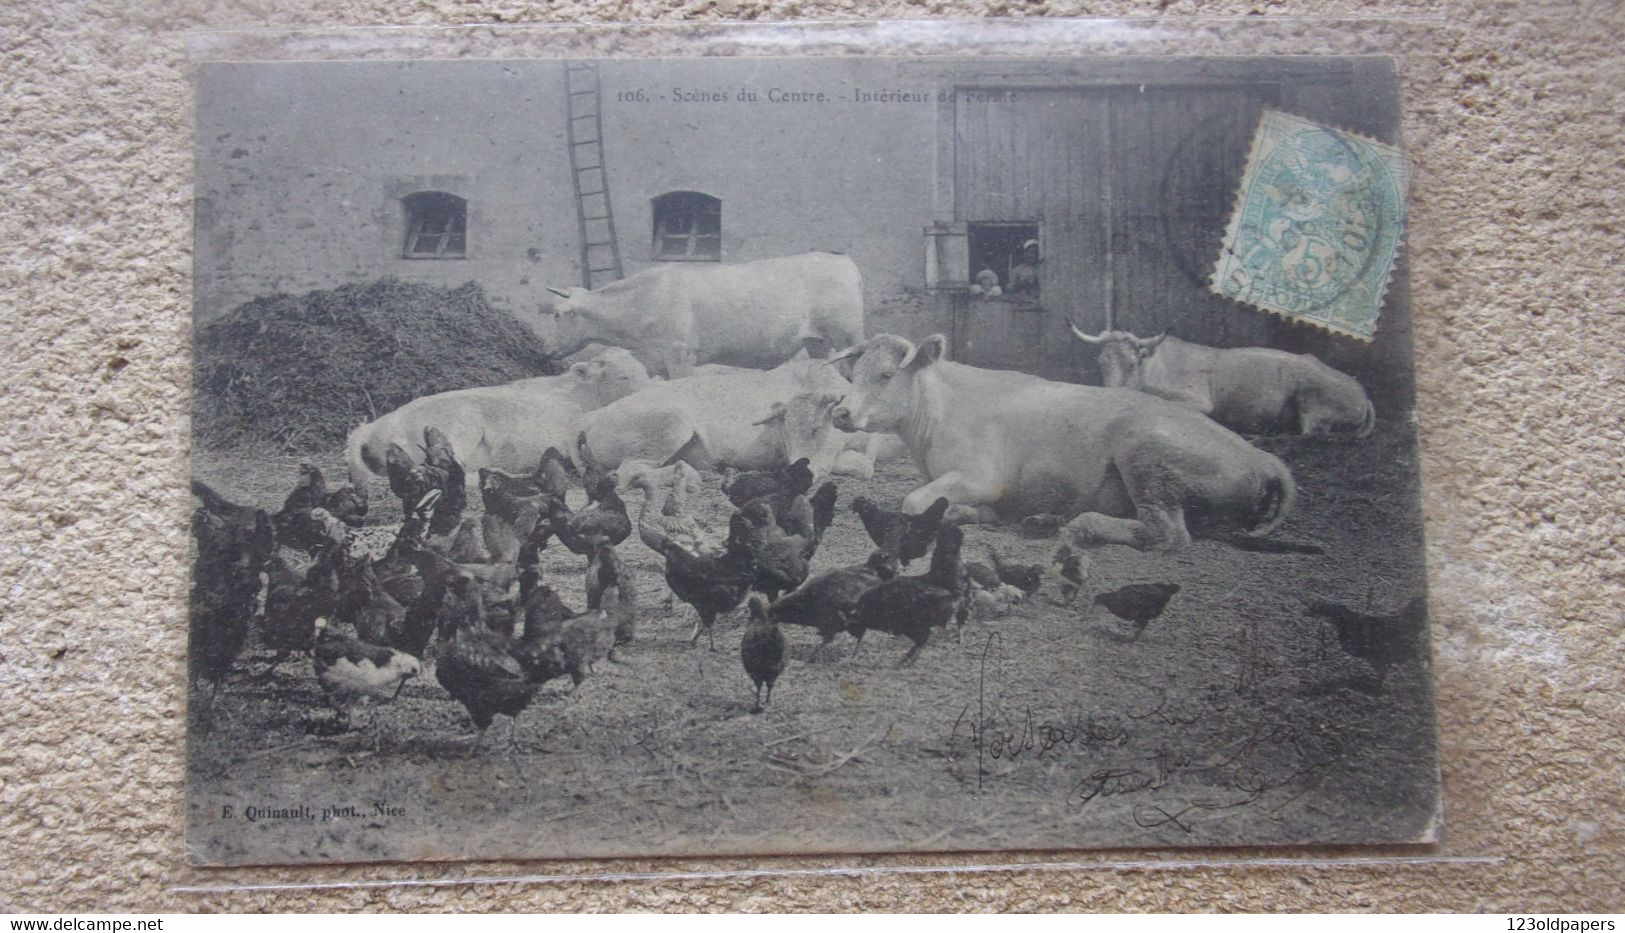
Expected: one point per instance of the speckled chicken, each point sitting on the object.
(906, 537)
(913, 606)
(1025, 577)
(1072, 567)
(612, 590)
(352, 670)
(762, 649)
(661, 525)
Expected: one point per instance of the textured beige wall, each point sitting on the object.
(1513, 120)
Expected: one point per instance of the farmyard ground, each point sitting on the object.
(1236, 718)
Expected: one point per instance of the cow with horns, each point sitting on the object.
(1254, 390)
(1002, 445)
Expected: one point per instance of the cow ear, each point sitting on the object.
(931, 349)
(846, 360)
(774, 414)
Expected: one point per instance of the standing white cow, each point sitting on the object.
(1003, 444)
(1255, 390)
(505, 426)
(755, 314)
(751, 420)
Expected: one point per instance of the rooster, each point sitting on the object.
(713, 584)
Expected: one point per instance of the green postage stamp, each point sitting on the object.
(1316, 225)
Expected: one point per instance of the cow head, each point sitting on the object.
(885, 370)
(1121, 354)
(610, 375)
(806, 426)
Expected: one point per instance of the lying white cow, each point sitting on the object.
(505, 426)
(749, 421)
(675, 315)
(1003, 444)
(1254, 390)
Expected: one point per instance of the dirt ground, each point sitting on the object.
(1237, 718)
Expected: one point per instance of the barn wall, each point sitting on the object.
(300, 172)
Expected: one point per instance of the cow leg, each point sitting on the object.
(675, 360)
(1155, 528)
(970, 500)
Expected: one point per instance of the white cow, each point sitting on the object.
(1255, 390)
(1003, 445)
(505, 426)
(675, 315)
(750, 420)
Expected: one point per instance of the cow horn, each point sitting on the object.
(1150, 343)
(1085, 337)
(852, 352)
(559, 292)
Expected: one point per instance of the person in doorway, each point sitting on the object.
(1024, 272)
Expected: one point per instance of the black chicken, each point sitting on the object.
(741, 488)
(782, 559)
(605, 520)
(1380, 640)
(905, 537)
(347, 504)
(476, 665)
(440, 471)
(229, 587)
(513, 503)
(1138, 603)
(912, 606)
(823, 509)
(713, 584)
(762, 649)
(826, 602)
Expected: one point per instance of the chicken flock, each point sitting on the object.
(469, 599)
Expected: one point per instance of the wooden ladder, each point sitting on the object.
(584, 127)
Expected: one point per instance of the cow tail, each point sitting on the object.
(1276, 501)
(1370, 421)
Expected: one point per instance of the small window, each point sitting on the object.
(688, 226)
(436, 226)
(1004, 261)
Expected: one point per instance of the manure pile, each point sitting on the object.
(299, 371)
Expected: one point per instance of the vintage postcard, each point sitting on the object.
(792, 455)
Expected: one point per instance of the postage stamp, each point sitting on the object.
(1316, 225)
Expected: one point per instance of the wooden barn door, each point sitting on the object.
(1032, 158)
(1129, 189)
(1177, 158)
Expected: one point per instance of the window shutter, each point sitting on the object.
(947, 255)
